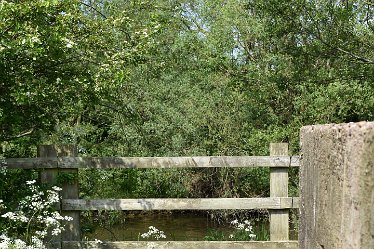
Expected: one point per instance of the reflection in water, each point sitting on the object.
(185, 226)
(176, 226)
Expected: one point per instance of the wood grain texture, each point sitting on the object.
(279, 227)
(153, 162)
(69, 189)
(63, 159)
(182, 245)
(180, 204)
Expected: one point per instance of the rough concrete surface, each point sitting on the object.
(337, 186)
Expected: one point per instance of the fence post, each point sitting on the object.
(68, 178)
(279, 227)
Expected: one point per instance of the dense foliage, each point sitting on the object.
(174, 78)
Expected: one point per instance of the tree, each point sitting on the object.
(203, 77)
(57, 59)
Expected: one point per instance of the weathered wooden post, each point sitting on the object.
(279, 227)
(68, 178)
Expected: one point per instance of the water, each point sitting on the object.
(176, 226)
(185, 226)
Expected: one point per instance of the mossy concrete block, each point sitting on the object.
(337, 186)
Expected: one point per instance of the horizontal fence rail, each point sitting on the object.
(182, 204)
(56, 160)
(153, 162)
(183, 245)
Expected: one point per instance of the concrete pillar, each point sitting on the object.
(337, 186)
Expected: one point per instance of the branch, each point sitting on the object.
(22, 134)
(318, 36)
(359, 58)
(89, 6)
(191, 17)
(198, 26)
(367, 61)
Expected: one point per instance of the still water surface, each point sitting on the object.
(182, 226)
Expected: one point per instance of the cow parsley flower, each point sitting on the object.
(153, 232)
(244, 231)
(33, 220)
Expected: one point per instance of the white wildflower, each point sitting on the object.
(97, 241)
(68, 218)
(56, 231)
(55, 188)
(37, 203)
(41, 234)
(153, 232)
(10, 216)
(242, 227)
(19, 243)
(234, 222)
(30, 182)
(4, 242)
(36, 243)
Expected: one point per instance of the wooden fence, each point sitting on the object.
(55, 160)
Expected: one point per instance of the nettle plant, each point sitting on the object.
(34, 223)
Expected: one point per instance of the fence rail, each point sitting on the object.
(63, 159)
(182, 204)
(153, 162)
(184, 245)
